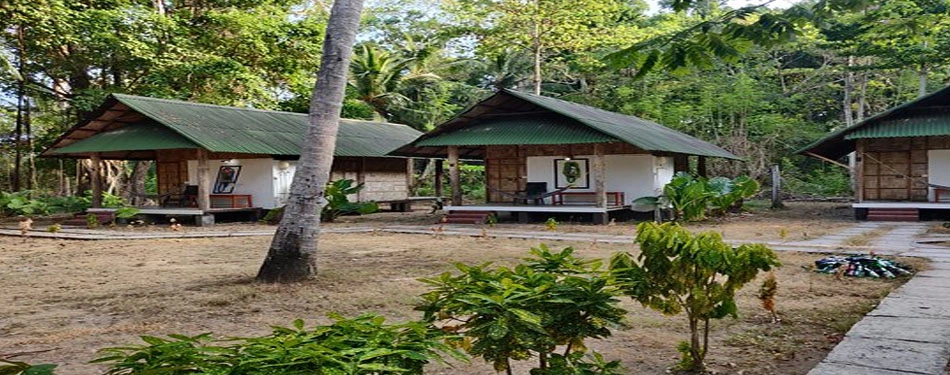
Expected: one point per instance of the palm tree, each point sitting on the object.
(291, 255)
(375, 74)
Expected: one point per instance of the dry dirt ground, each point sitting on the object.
(73, 297)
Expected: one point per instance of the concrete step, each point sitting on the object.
(893, 214)
(466, 217)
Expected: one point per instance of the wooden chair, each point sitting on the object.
(187, 198)
(535, 192)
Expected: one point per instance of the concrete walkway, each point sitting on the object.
(909, 331)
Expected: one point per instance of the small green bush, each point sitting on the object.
(23, 368)
(338, 202)
(696, 274)
(545, 307)
(692, 198)
(363, 345)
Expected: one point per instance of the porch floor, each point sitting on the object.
(176, 211)
(509, 207)
(904, 204)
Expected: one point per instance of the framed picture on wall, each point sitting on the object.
(227, 178)
(571, 172)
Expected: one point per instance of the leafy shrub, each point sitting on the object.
(690, 197)
(26, 203)
(338, 202)
(23, 368)
(824, 181)
(126, 212)
(471, 179)
(356, 346)
(700, 275)
(22, 203)
(92, 221)
(551, 300)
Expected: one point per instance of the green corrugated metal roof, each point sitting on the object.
(136, 137)
(923, 126)
(244, 130)
(928, 115)
(644, 134)
(543, 130)
(601, 126)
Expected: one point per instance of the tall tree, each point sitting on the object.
(292, 252)
(540, 28)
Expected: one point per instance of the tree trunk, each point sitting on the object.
(846, 101)
(292, 251)
(21, 96)
(922, 80)
(95, 180)
(695, 352)
(159, 6)
(31, 163)
(136, 184)
(536, 48)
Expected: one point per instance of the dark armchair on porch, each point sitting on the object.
(188, 197)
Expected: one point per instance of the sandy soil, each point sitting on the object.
(74, 297)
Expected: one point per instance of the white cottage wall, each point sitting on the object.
(255, 179)
(636, 175)
(937, 171)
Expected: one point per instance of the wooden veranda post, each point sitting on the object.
(600, 177)
(204, 181)
(600, 183)
(438, 178)
(701, 166)
(95, 179)
(454, 176)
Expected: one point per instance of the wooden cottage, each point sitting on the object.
(545, 156)
(902, 159)
(213, 159)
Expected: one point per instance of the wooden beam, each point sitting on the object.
(859, 171)
(204, 180)
(454, 175)
(95, 179)
(600, 175)
(361, 179)
(438, 178)
(835, 162)
(701, 167)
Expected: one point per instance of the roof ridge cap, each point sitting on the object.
(199, 104)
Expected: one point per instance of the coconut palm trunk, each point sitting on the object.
(292, 252)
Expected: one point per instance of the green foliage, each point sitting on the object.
(26, 203)
(696, 274)
(273, 215)
(338, 202)
(821, 181)
(54, 228)
(21, 203)
(363, 345)
(471, 178)
(126, 212)
(551, 300)
(551, 224)
(92, 221)
(23, 368)
(691, 197)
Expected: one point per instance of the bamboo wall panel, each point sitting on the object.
(896, 169)
(504, 168)
(171, 176)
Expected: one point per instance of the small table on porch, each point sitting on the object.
(614, 198)
(231, 201)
